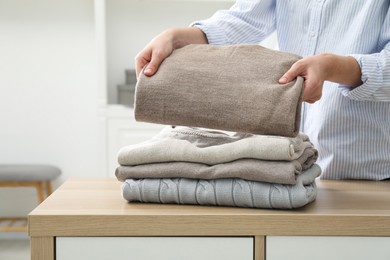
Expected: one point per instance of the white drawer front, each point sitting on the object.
(325, 248)
(152, 248)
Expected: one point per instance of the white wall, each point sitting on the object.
(48, 104)
(132, 24)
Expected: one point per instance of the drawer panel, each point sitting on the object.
(151, 248)
(325, 248)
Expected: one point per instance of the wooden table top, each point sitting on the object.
(95, 207)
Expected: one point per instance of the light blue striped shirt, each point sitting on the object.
(349, 127)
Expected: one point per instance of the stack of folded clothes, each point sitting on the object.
(185, 165)
(264, 163)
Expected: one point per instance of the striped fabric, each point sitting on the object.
(349, 127)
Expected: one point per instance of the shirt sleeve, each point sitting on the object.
(247, 21)
(375, 70)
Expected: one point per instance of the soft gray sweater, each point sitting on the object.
(224, 192)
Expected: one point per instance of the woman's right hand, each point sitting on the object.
(163, 45)
(154, 53)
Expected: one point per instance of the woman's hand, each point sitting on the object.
(163, 45)
(154, 53)
(323, 67)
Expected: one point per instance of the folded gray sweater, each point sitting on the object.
(210, 147)
(283, 172)
(232, 88)
(224, 192)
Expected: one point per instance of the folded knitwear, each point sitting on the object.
(186, 144)
(283, 172)
(233, 88)
(224, 192)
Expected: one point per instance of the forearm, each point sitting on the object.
(184, 36)
(245, 22)
(342, 69)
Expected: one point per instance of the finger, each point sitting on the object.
(311, 92)
(310, 101)
(141, 60)
(154, 63)
(139, 65)
(295, 70)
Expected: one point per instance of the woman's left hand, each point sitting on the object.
(319, 68)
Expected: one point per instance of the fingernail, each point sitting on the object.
(148, 71)
(283, 80)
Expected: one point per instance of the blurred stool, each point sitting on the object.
(26, 175)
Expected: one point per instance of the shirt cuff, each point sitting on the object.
(366, 90)
(215, 34)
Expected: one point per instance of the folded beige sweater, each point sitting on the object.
(232, 88)
(186, 144)
(283, 172)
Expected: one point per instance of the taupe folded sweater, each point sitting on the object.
(232, 88)
(283, 172)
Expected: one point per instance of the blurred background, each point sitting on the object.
(66, 83)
